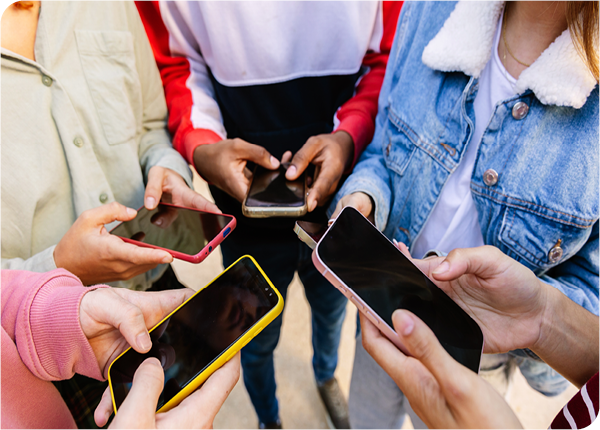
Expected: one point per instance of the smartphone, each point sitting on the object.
(203, 333)
(270, 194)
(186, 233)
(310, 232)
(368, 269)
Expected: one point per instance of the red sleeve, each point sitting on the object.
(582, 409)
(174, 72)
(357, 115)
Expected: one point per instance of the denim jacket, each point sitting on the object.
(535, 181)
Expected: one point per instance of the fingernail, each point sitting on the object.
(274, 161)
(405, 323)
(150, 202)
(313, 205)
(167, 259)
(158, 221)
(442, 268)
(131, 212)
(291, 171)
(144, 342)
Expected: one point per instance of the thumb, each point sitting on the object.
(108, 213)
(259, 155)
(476, 261)
(139, 408)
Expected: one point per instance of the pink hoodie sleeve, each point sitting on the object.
(40, 313)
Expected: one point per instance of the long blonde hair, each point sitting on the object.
(582, 19)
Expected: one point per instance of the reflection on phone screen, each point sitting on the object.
(270, 188)
(357, 253)
(178, 229)
(200, 331)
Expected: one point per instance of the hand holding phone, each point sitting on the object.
(92, 254)
(368, 269)
(186, 233)
(202, 334)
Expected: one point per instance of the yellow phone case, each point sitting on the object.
(225, 355)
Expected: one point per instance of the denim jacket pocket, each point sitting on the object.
(109, 66)
(398, 149)
(538, 242)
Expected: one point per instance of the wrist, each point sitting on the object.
(344, 139)
(547, 323)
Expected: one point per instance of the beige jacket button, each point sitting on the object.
(520, 110)
(46, 80)
(556, 252)
(490, 177)
(103, 198)
(78, 142)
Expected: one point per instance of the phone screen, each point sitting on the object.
(178, 229)
(200, 331)
(269, 188)
(361, 256)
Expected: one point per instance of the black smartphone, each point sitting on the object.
(186, 233)
(369, 270)
(203, 333)
(271, 194)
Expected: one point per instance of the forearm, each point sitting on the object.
(568, 339)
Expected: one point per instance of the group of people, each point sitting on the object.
(467, 132)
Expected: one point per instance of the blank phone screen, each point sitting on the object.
(177, 229)
(200, 331)
(361, 256)
(270, 188)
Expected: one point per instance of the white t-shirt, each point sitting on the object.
(454, 222)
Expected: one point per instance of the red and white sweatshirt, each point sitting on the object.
(259, 70)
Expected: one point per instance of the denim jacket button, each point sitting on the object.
(556, 252)
(520, 110)
(490, 177)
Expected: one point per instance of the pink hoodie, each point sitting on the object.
(42, 341)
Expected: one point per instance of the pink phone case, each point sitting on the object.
(199, 257)
(360, 304)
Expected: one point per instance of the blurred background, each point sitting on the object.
(299, 401)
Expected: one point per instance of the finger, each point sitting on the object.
(422, 344)
(154, 187)
(190, 198)
(302, 158)
(139, 408)
(104, 409)
(118, 250)
(323, 186)
(107, 213)
(287, 156)
(211, 396)
(257, 154)
(478, 261)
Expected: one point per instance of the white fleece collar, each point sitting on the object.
(464, 44)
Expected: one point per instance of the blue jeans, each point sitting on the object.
(280, 260)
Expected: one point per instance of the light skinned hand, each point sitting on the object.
(441, 391)
(224, 164)
(113, 319)
(504, 297)
(360, 201)
(169, 186)
(197, 411)
(332, 155)
(95, 256)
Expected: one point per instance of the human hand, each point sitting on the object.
(196, 411)
(169, 185)
(360, 201)
(224, 164)
(331, 154)
(505, 298)
(442, 392)
(92, 254)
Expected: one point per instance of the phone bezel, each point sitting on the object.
(196, 258)
(360, 304)
(274, 211)
(225, 355)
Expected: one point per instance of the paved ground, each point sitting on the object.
(300, 404)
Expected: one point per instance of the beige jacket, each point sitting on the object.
(81, 127)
